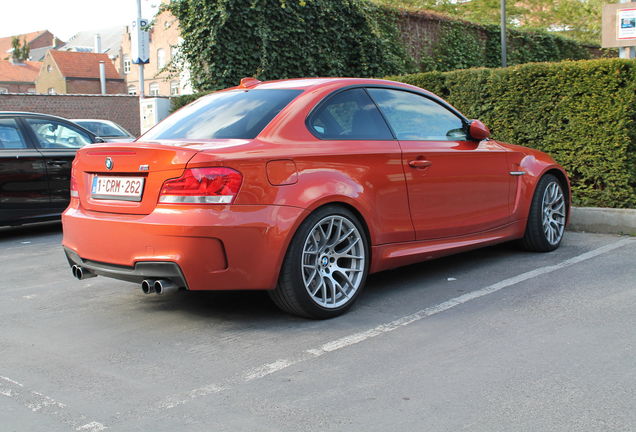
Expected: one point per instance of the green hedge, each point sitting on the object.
(582, 113)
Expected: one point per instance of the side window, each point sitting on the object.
(349, 115)
(55, 135)
(10, 135)
(417, 118)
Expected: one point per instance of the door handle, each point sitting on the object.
(420, 163)
(57, 162)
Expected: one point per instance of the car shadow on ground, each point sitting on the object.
(256, 307)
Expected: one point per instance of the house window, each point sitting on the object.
(49, 68)
(51, 91)
(31, 90)
(174, 88)
(173, 52)
(126, 65)
(154, 89)
(4, 90)
(161, 58)
(132, 90)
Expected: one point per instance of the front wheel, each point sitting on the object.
(546, 221)
(325, 267)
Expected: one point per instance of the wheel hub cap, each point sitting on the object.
(553, 205)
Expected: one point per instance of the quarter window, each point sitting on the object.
(10, 136)
(414, 117)
(56, 135)
(349, 115)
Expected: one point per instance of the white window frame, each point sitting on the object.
(161, 58)
(132, 90)
(174, 88)
(153, 89)
(127, 64)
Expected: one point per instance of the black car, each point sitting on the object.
(36, 152)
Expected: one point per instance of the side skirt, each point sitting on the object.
(394, 255)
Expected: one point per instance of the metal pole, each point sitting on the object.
(141, 65)
(626, 52)
(504, 54)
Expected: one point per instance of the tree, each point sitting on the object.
(20, 50)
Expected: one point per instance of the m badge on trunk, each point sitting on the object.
(109, 163)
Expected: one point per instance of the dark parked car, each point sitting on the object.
(107, 130)
(36, 152)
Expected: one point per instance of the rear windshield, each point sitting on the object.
(241, 114)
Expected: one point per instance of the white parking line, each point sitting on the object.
(346, 341)
(39, 403)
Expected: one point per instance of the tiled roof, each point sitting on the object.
(26, 72)
(83, 64)
(5, 42)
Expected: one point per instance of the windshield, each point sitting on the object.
(103, 129)
(240, 114)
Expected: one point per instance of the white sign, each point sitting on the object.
(626, 24)
(139, 42)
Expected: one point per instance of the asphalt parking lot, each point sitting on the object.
(491, 340)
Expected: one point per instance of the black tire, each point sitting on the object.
(291, 294)
(537, 237)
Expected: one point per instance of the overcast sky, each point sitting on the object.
(64, 18)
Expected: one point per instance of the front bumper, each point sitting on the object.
(200, 248)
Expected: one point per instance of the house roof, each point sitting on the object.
(85, 41)
(82, 64)
(5, 42)
(26, 72)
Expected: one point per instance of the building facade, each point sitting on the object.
(159, 77)
(68, 72)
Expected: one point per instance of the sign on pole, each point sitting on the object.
(139, 42)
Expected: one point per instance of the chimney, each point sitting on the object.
(98, 44)
(102, 76)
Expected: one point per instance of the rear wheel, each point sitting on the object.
(546, 221)
(325, 267)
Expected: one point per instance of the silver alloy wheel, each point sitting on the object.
(333, 261)
(553, 209)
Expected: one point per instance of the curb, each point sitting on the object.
(603, 220)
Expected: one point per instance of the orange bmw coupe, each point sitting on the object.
(303, 187)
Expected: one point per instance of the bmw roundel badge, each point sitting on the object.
(109, 163)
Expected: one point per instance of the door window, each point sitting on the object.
(417, 118)
(56, 135)
(10, 135)
(349, 115)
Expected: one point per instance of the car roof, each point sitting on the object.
(26, 113)
(312, 83)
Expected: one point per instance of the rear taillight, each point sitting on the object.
(74, 190)
(216, 185)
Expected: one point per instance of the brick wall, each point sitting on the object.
(93, 86)
(121, 109)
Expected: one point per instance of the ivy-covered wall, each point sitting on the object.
(582, 113)
(225, 40)
(437, 42)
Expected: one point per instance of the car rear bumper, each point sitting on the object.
(212, 248)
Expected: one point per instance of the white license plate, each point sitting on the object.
(117, 188)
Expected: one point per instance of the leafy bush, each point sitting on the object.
(225, 40)
(582, 113)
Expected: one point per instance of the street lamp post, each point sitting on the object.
(504, 60)
(141, 65)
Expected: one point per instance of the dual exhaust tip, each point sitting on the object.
(158, 286)
(148, 286)
(82, 273)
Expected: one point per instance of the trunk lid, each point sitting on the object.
(153, 162)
